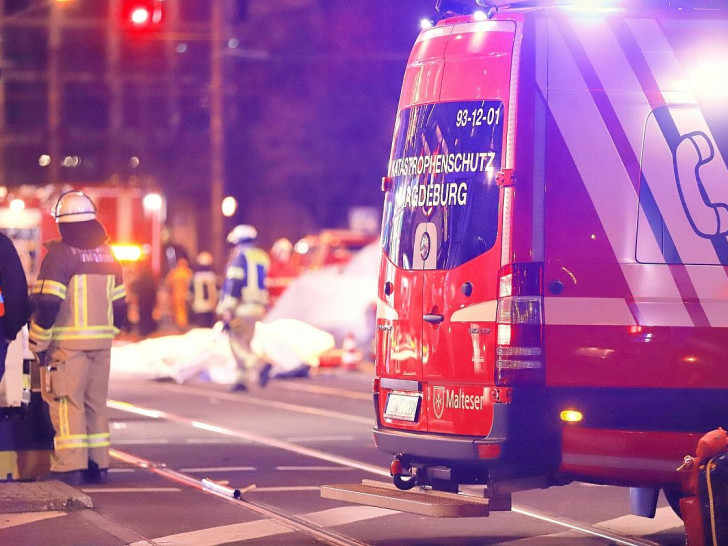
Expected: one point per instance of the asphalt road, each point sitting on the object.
(278, 445)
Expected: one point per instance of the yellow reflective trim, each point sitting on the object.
(54, 288)
(84, 329)
(109, 295)
(63, 424)
(99, 440)
(84, 301)
(84, 334)
(234, 272)
(41, 334)
(70, 442)
(118, 292)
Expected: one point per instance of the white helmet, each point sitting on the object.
(282, 249)
(242, 234)
(74, 206)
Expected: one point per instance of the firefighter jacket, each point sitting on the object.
(79, 298)
(244, 284)
(204, 289)
(14, 304)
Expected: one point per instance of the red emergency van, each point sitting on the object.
(553, 295)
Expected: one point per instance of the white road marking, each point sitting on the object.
(664, 519)
(265, 528)
(347, 514)
(286, 488)
(214, 441)
(320, 439)
(582, 528)
(259, 402)
(222, 535)
(131, 490)
(141, 441)
(253, 437)
(315, 468)
(219, 469)
(13, 520)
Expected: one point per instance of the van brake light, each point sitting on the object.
(519, 318)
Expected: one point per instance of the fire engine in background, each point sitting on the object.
(552, 295)
(133, 218)
(312, 252)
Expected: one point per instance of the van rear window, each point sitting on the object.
(442, 208)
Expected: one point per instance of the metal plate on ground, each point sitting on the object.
(425, 502)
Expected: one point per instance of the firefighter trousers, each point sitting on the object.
(75, 385)
(242, 329)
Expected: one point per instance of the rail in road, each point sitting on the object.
(301, 524)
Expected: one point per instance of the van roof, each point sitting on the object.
(676, 4)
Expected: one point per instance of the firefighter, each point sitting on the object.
(178, 282)
(79, 306)
(14, 308)
(243, 301)
(204, 291)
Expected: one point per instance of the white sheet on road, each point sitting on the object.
(204, 353)
(315, 313)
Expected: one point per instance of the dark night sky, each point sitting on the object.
(310, 88)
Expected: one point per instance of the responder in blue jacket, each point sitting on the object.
(244, 299)
(14, 308)
(79, 306)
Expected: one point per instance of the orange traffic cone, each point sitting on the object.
(350, 356)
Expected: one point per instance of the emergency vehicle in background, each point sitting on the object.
(312, 252)
(553, 300)
(133, 218)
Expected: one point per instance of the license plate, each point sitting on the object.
(402, 406)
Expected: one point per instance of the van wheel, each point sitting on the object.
(673, 497)
(405, 482)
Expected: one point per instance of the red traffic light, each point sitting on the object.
(142, 14)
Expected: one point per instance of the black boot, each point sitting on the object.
(94, 474)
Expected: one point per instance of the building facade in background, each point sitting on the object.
(305, 91)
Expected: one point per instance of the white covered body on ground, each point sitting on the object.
(315, 314)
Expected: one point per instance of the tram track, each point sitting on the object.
(235, 496)
(296, 522)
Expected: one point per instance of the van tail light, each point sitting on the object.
(519, 318)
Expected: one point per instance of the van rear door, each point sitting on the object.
(442, 219)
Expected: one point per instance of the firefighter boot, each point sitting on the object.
(94, 474)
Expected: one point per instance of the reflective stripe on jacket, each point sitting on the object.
(245, 278)
(82, 285)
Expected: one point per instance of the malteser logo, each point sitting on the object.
(438, 400)
(444, 398)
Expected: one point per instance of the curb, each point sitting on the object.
(17, 497)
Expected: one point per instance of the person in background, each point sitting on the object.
(244, 300)
(14, 306)
(204, 291)
(79, 305)
(282, 269)
(145, 289)
(178, 281)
